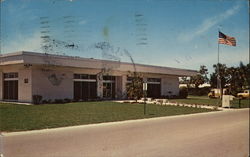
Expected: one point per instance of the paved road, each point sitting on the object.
(217, 134)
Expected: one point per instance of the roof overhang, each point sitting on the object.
(78, 62)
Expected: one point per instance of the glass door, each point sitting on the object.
(109, 90)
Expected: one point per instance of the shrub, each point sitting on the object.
(50, 101)
(58, 101)
(199, 91)
(45, 101)
(37, 99)
(66, 100)
(183, 93)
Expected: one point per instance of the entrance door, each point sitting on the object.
(154, 87)
(109, 90)
(154, 90)
(10, 86)
(109, 87)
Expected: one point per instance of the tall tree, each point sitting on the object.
(238, 78)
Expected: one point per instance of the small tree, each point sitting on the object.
(200, 78)
(134, 89)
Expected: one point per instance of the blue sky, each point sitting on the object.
(172, 33)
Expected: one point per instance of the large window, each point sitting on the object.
(85, 87)
(10, 86)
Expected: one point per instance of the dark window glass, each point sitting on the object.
(154, 90)
(106, 77)
(10, 90)
(77, 76)
(85, 90)
(112, 78)
(5, 75)
(10, 75)
(154, 80)
(84, 76)
(92, 76)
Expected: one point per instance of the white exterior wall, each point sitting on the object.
(25, 89)
(170, 84)
(43, 83)
(65, 66)
(39, 83)
(124, 83)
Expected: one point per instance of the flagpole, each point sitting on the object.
(218, 54)
(218, 68)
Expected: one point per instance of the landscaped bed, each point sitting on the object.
(17, 117)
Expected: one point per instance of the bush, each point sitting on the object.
(37, 99)
(66, 100)
(45, 101)
(183, 93)
(58, 101)
(199, 91)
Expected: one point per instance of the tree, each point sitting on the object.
(134, 89)
(223, 74)
(236, 78)
(200, 78)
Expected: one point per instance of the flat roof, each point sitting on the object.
(24, 57)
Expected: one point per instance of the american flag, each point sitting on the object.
(227, 40)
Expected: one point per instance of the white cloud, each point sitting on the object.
(208, 23)
(23, 43)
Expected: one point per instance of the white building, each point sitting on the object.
(24, 74)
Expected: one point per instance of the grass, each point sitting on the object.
(204, 100)
(16, 117)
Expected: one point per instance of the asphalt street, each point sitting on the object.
(216, 134)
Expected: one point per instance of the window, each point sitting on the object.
(154, 80)
(85, 76)
(85, 87)
(10, 86)
(112, 78)
(10, 75)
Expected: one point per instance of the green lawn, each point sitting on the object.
(204, 100)
(16, 117)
